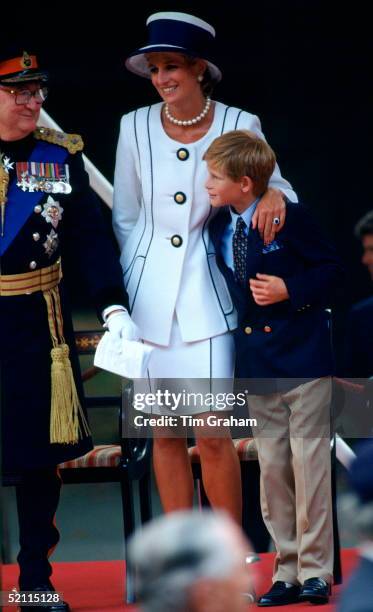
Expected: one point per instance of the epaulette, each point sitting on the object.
(71, 142)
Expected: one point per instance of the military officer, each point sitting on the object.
(48, 217)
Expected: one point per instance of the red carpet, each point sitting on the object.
(98, 586)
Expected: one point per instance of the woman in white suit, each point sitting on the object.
(178, 298)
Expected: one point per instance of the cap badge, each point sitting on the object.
(26, 61)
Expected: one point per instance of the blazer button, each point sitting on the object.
(248, 330)
(180, 197)
(267, 329)
(36, 236)
(182, 154)
(37, 209)
(32, 265)
(176, 241)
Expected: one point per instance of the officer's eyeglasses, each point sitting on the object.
(23, 96)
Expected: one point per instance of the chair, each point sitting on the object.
(124, 462)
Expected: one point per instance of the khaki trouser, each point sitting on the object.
(293, 441)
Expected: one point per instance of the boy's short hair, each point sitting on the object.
(242, 153)
(364, 226)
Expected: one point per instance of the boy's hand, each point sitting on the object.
(268, 289)
(271, 206)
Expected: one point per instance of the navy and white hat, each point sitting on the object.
(19, 66)
(176, 33)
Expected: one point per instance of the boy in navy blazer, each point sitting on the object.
(283, 351)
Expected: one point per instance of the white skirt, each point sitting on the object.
(194, 371)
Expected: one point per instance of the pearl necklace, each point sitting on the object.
(187, 122)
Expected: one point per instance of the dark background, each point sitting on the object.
(303, 66)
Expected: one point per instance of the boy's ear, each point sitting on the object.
(246, 184)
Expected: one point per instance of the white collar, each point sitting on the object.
(246, 215)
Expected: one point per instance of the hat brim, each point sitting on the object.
(25, 76)
(138, 64)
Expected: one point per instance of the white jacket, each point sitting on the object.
(162, 278)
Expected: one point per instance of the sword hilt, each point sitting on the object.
(2, 207)
(4, 181)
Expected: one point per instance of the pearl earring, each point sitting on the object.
(200, 78)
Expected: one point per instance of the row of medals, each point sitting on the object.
(31, 182)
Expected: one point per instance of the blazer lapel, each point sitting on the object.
(217, 227)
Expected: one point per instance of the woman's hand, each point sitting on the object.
(271, 207)
(268, 289)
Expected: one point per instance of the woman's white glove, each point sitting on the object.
(121, 326)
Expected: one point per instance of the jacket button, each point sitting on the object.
(248, 330)
(182, 154)
(32, 265)
(36, 236)
(37, 209)
(267, 329)
(180, 197)
(176, 241)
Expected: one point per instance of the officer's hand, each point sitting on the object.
(121, 326)
(268, 289)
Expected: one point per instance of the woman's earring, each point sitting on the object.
(200, 78)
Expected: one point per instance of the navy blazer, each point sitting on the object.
(290, 339)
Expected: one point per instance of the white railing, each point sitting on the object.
(345, 454)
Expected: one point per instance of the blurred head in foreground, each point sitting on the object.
(190, 561)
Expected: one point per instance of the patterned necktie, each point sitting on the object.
(240, 251)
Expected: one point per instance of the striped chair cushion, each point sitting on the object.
(104, 455)
(245, 447)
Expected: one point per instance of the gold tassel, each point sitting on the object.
(65, 427)
(65, 405)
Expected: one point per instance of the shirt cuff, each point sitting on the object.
(109, 309)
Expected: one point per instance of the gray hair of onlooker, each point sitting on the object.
(177, 550)
(358, 516)
(364, 226)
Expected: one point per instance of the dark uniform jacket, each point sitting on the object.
(290, 339)
(81, 238)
